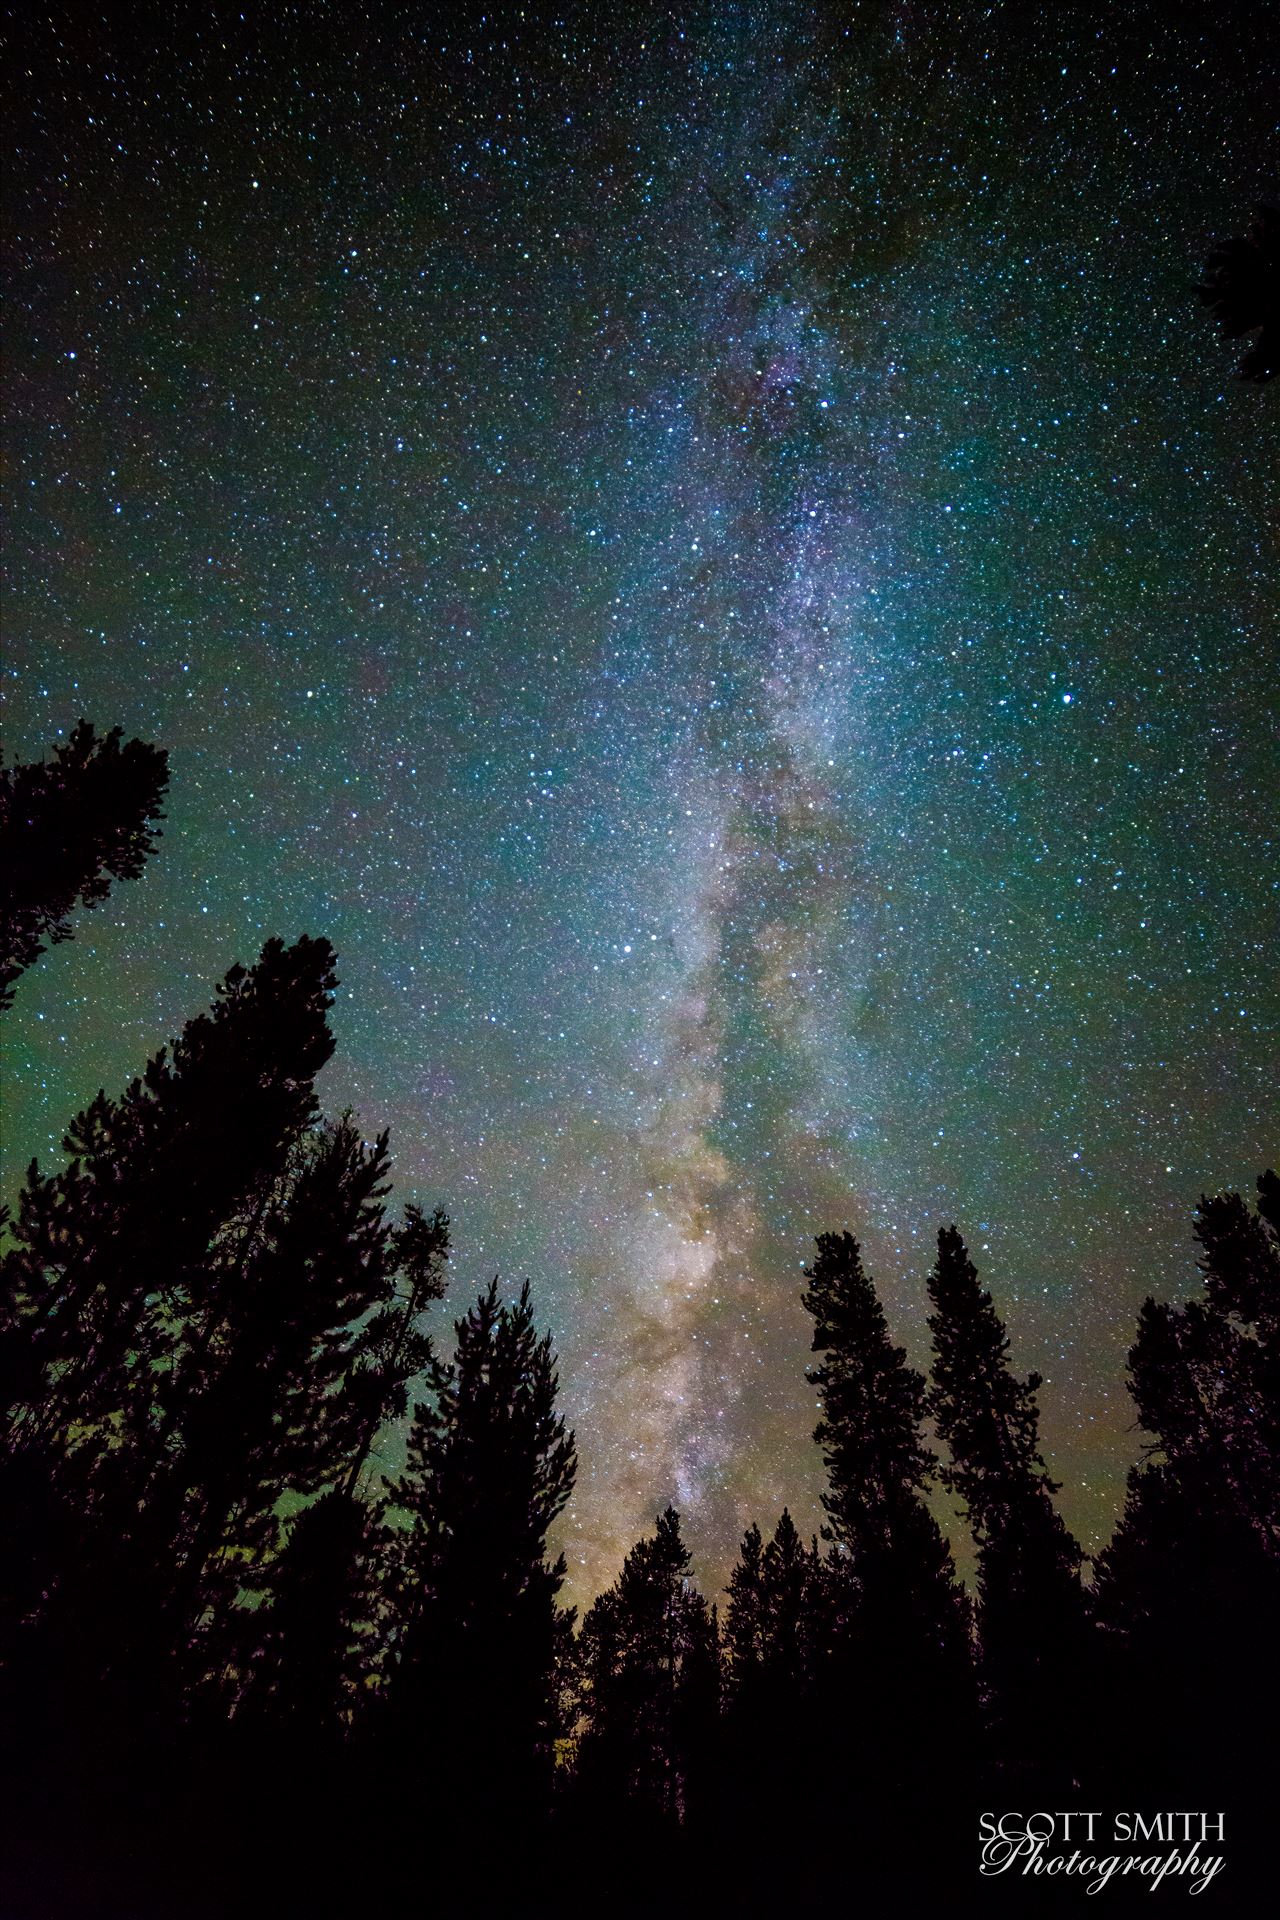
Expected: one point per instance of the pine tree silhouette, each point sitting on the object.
(1032, 1625)
(311, 1655)
(775, 1623)
(115, 1300)
(111, 1287)
(1242, 291)
(649, 1667)
(778, 1640)
(120, 1240)
(392, 1348)
(1188, 1590)
(69, 826)
(490, 1466)
(902, 1658)
(273, 1396)
(309, 1660)
(1240, 1258)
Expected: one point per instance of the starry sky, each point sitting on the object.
(715, 554)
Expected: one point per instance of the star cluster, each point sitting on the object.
(714, 554)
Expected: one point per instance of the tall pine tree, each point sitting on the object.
(649, 1663)
(1188, 1590)
(778, 1642)
(775, 1621)
(115, 1271)
(1031, 1621)
(316, 1647)
(902, 1665)
(122, 1237)
(473, 1697)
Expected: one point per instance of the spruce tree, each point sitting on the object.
(1031, 1618)
(69, 826)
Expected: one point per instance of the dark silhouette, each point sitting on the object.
(649, 1681)
(1242, 291)
(902, 1651)
(1190, 1584)
(69, 826)
(777, 1631)
(113, 1298)
(234, 1602)
(203, 1322)
(490, 1466)
(1031, 1614)
(151, 1220)
(779, 1634)
(314, 1651)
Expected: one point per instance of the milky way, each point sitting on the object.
(717, 557)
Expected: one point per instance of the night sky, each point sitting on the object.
(716, 555)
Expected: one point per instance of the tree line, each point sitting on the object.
(279, 1620)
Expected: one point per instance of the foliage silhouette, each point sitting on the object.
(490, 1466)
(901, 1611)
(1242, 291)
(69, 826)
(1190, 1583)
(221, 1613)
(649, 1683)
(1031, 1613)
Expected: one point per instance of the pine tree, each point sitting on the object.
(648, 1663)
(774, 1623)
(744, 1628)
(69, 826)
(116, 1297)
(792, 1612)
(872, 1402)
(188, 1404)
(1031, 1606)
(778, 1641)
(326, 1591)
(490, 1466)
(1240, 1257)
(275, 1396)
(392, 1348)
(111, 1288)
(1205, 1377)
(878, 1466)
(901, 1626)
(309, 1658)
(320, 1336)
(123, 1235)
(1188, 1590)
